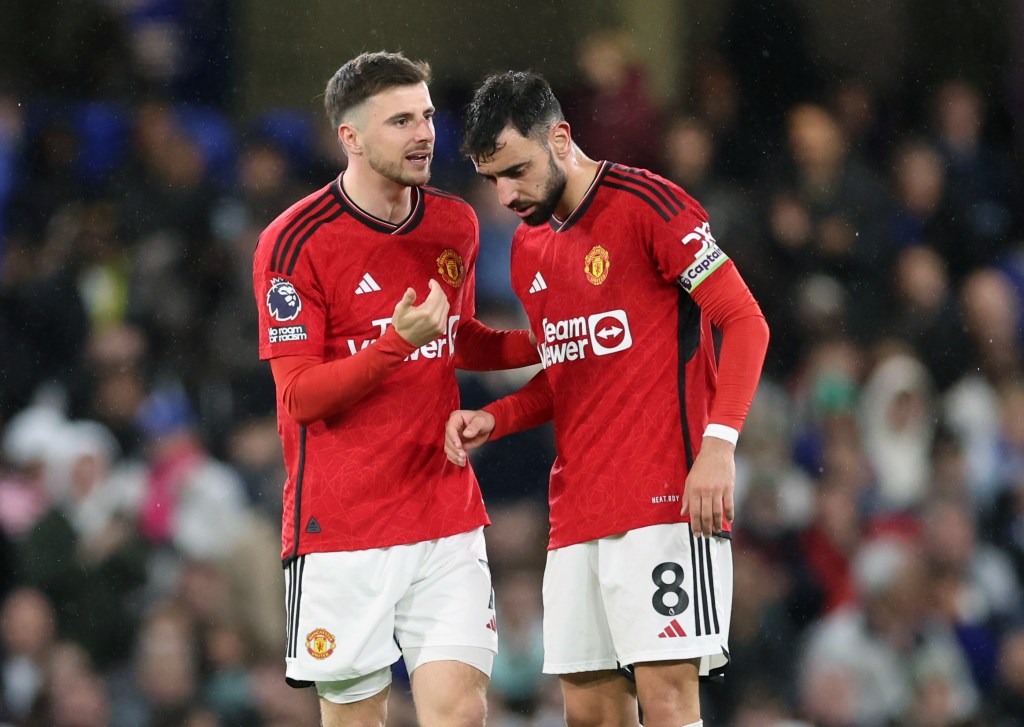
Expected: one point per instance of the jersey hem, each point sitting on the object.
(291, 554)
(554, 544)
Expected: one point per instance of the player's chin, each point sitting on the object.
(536, 218)
(417, 173)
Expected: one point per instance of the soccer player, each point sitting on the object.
(621, 279)
(365, 292)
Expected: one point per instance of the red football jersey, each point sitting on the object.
(327, 277)
(627, 352)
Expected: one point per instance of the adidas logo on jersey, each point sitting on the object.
(672, 631)
(538, 284)
(367, 285)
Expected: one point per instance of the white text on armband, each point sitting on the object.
(709, 261)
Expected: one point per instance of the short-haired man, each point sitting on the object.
(382, 538)
(621, 279)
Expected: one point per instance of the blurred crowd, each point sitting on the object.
(879, 543)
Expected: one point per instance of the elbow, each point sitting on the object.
(298, 414)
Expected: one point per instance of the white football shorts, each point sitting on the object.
(352, 614)
(651, 594)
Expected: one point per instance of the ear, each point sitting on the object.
(348, 135)
(560, 139)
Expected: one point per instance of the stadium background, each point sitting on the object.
(861, 163)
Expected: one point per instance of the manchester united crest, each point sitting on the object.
(596, 265)
(320, 643)
(450, 267)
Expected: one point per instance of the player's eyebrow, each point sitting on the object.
(506, 172)
(429, 111)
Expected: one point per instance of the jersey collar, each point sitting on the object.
(376, 223)
(562, 225)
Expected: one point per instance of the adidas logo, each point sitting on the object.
(367, 285)
(672, 631)
(538, 284)
(313, 526)
(493, 625)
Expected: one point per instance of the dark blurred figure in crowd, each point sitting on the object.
(864, 122)
(766, 44)
(984, 186)
(826, 215)
(615, 112)
(926, 315)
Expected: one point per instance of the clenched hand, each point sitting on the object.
(466, 430)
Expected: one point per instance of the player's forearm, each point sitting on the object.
(740, 360)
(310, 389)
(480, 348)
(732, 309)
(529, 407)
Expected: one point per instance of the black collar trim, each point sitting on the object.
(376, 223)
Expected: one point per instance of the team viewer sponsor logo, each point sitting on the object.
(572, 339)
(283, 301)
(443, 346)
(706, 261)
(284, 334)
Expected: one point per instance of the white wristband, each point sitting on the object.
(720, 431)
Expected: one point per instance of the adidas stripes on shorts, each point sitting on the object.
(651, 594)
(350, 614)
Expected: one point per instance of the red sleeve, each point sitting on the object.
(732, 309)
(311, 389)
(479, 348)
(529, 407)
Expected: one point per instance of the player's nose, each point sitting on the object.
(507, 192)
(425, 130)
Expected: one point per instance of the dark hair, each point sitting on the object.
(520, 99)
(367, 75)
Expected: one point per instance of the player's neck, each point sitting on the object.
(580, 172)
(377, 195)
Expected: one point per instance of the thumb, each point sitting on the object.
(408, 298)
(470, 431)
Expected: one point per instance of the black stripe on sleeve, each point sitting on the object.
(646, 198)
(639, 181)
(309, 233)
(296, 223)
(658, 182)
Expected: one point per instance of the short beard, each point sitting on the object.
(394, 172)
(553, 190)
